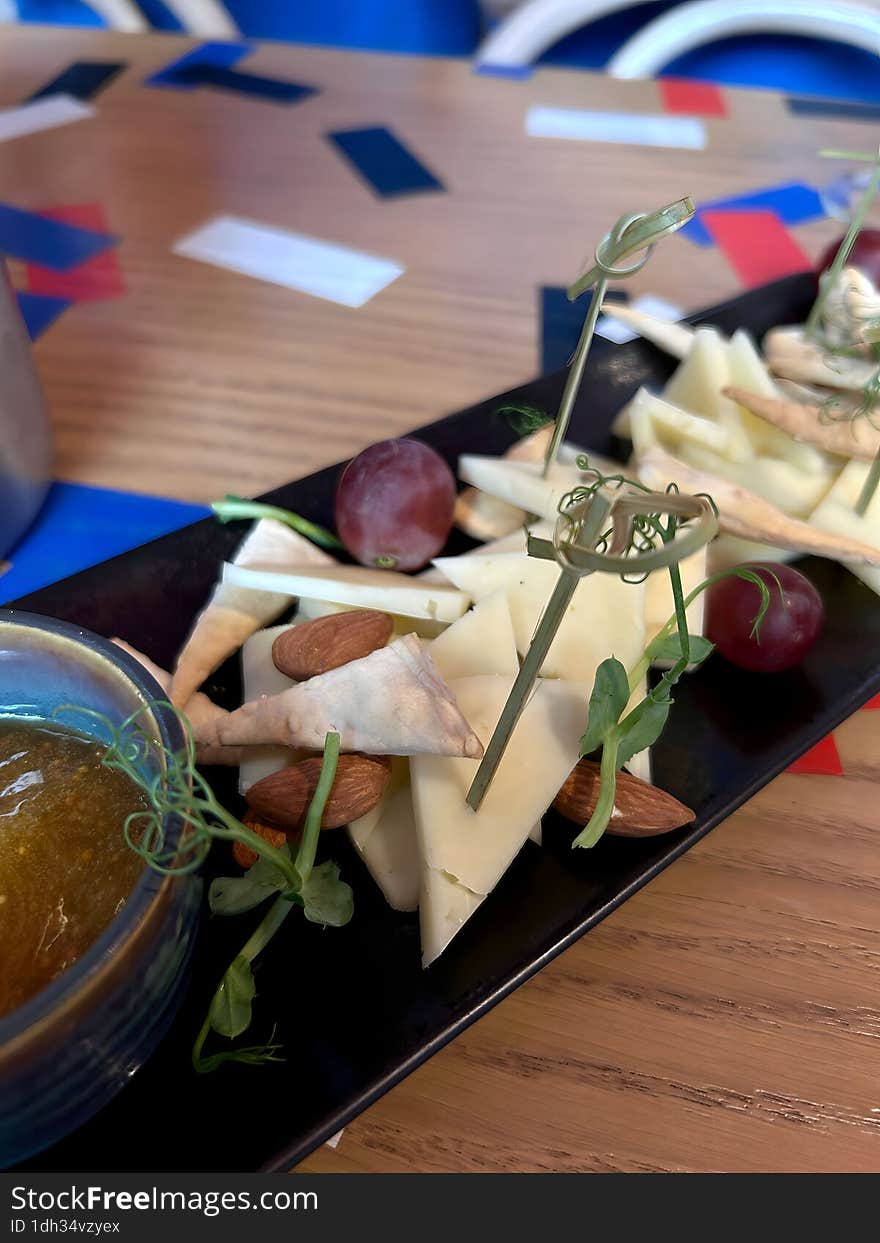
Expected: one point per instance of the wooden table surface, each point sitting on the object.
(725, 1018)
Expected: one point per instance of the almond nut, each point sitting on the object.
(283, 798)
(640, 809)
(244, 856)
(327, 642)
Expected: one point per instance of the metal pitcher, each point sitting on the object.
(25, 431)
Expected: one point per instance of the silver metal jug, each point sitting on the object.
(25, 431)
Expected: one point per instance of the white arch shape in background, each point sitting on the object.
(702, 21)
(120, 15)
(530, 30)
(535, 26)
(208, 18)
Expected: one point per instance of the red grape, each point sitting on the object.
(865, 255)
(394, 504)
(788, 630)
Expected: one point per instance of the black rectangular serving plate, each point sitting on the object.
(355, 1011)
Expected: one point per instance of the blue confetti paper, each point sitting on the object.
(840, 109)
(562, 321)
(83, 79)
(217, 55)
(384, 162)
(794, 203)
(39, 311)
(271, 89)
(36, 239)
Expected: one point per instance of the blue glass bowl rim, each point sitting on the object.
(41, 1006)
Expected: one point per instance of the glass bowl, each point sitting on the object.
(72, 1046)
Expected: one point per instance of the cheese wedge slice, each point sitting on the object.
(674, 338)
(697, 382)
(309, 610)
(837, 515)
(782, 483)
(357, 586)
(260, 677)
(748, 371)
(606, 616)
(480, 642)
(463, 853)
(521, 483)
(232, 614)
(653, 420)
(485, 517)
(385, 838)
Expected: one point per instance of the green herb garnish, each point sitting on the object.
(622, 737)
(232, 508)
(324, 898)
(524, 420)
(177, 794)
(828, 279)
(180, 797)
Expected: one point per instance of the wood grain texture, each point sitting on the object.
(727, 1017)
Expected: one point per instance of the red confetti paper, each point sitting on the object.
(873, 705)
(823, 758)
(756, 244)
(91, 281)
(697, 99)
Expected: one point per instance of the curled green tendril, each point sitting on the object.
(174, 833)
(633, 531)
(831, 410)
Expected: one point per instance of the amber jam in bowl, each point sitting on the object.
(69, 1046)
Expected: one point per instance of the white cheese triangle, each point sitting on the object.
(480, 642)
(606, 617)
(697, 382)
(232, 614)
(355, 585)
(748, 370)
(385, 838)
(521, 483)
(782, 483)
(653, 420)
(310, 610)
(445, 906)
(837, 514)
(465, 853)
